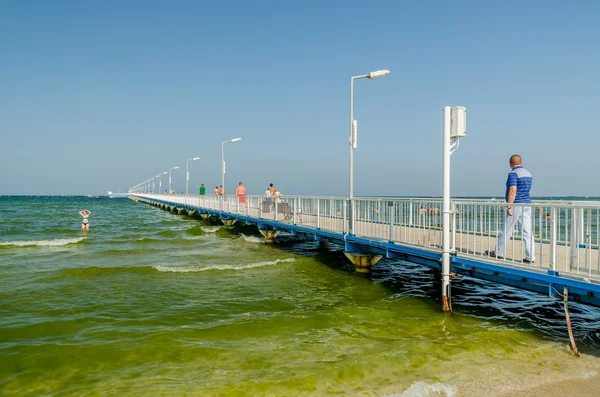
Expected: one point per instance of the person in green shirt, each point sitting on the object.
(202, 190)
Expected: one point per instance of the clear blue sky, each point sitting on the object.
(101, 95)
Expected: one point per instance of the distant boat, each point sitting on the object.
(110, 194)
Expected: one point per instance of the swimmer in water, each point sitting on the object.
(85, 224)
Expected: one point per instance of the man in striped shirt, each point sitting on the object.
(518, 186)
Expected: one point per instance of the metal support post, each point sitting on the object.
(446, 214)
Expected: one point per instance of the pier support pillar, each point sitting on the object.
(228, 222)
(363, 262)
(205, 217)
(191, 212)
(269, 235)
(180, 211)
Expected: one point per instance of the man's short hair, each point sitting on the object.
(516, 159)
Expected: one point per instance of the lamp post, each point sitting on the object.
(187, 172)
(223, 160)
(159, 176)
(172, 168)
(352, 141)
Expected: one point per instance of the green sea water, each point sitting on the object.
(150, 303)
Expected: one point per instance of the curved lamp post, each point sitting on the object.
(223, 160)
(352, 142)
(187, 172)
(172, 168)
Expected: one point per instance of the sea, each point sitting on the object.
(151, 303)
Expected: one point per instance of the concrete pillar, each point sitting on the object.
(269, 235)
(228, 222)
(205, 216)
(191, 212)
(362, 262)
(180, 210)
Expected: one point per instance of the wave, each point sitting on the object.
(95, 271)
(210, 229)
(423, 389)
(251, 239)
(43, 243)
(192, 269)
(167, 233)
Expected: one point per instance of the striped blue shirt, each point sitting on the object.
(521, 178)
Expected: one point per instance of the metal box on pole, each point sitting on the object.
(458, 122)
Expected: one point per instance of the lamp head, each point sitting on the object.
(196, 158)
(377, 74)
(235, 139)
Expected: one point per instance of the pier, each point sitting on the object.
(565, 234)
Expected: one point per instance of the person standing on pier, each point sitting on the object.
(216, 191)
(221, 191)
(202, 190)
(241, 193)
(518, 187)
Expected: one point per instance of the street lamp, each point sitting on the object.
(172, 168)
(223, 160)
(159, 176)
(352, 141)
(187, 173)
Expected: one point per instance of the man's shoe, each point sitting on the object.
(527, 261)
(493, 254)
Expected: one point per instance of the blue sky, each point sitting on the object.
(98, 96)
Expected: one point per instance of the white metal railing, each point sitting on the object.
(564, 235)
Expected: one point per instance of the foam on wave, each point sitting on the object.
(43, 243)
(251, 239)
(423, 389)
(191, 269)
(210, 229)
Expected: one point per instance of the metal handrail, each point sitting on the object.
(565, 235)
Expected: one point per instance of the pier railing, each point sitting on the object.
(565, 235)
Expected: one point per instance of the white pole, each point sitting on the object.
(223, 166)
(187, 175)
(446, 214)
(351, 159)
(170, 180)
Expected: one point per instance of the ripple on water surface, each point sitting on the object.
(151, 303)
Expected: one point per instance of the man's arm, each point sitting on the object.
(512, 191)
